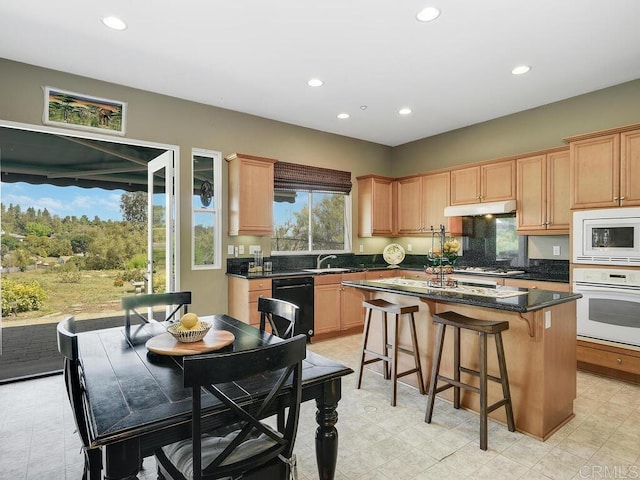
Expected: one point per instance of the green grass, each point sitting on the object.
(94, 296)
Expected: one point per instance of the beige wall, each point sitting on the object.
(527, 131)
(158, 118)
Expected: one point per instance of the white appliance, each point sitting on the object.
(610, 305)
(609, 236)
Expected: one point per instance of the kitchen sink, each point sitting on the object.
(326, 270)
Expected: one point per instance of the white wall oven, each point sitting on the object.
(610, 305)
(608, 236)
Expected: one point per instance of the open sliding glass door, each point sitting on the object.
(161, 214)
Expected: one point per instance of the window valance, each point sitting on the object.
(295, 177)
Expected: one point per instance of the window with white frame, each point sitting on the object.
(311, 210)
(206, 207)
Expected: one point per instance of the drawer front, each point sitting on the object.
(375, 274)
(327, 279)
(260, 284)
(613, 360)
(254, 295)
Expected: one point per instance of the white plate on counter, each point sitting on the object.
(393, 254)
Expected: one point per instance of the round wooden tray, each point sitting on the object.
(166, 344)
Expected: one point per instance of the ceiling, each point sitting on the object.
(256, 56)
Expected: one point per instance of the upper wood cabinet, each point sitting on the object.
(491, 182)
(543, 194)
(605, 170)
(375, 206)
(250, 194)
(421, 203)
(410, 205)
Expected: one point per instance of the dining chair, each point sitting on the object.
(179, 301)
(73, 377)
(282, 316)
(252, 384)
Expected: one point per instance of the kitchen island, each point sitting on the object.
(540, 345)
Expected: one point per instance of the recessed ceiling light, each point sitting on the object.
(315, 82)
(404, 111)
(427, 14)
(363, 107)
(342, 116)
(520, 69)
(114, 22)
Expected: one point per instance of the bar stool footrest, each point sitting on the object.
(477, 374)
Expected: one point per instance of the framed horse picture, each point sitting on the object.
(76, 110)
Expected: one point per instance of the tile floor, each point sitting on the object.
(377, 441)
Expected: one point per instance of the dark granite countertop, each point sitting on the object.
(533, 299)
(543, 277)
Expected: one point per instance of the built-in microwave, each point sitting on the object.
(608, 236)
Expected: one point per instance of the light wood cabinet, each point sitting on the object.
(540, 285)
(607, 358)
(243, 298)
(337, 308)
(327, 304)
(605, 170)
(250, 194)
(543, 194)
(352, 311)
(421, 203)
(375, 206)
(410, 205)
(491, 182)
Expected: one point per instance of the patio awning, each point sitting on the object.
(47, 158)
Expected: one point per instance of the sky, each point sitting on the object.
(63, 201)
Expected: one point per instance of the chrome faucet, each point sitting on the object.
(322, 259)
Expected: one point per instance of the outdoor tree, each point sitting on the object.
(133, 206)
(327, 224)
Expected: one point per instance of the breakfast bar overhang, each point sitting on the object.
(540, 344)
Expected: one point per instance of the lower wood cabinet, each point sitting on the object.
(243, 298)
(553, 286)
(606, 358)
(336, 307)
(326, 304)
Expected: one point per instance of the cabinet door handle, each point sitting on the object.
(621, 198)
(615, 199)
(619, 361)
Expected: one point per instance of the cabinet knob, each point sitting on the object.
(615, 199)
(619, 361)
(621, 198)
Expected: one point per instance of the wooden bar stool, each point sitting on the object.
(390, 360)
(483, 328)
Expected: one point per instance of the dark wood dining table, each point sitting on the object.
(135, 400)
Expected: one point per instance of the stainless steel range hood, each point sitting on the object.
(475, 209)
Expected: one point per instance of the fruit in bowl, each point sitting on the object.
(189, 329)
(189, 321)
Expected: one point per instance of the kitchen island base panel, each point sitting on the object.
(541, 361)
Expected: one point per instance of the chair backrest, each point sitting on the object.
(272, 376)
(281, 315)
(178, 300)
(68, 347)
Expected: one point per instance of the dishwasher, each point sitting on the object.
(299, 291)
